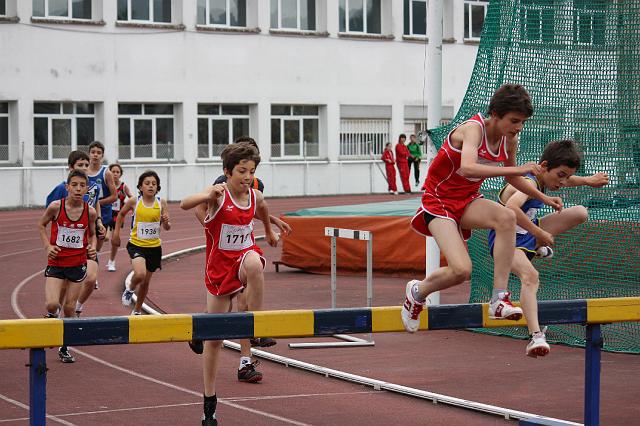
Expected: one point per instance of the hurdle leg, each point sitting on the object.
(334, 272)
(37, 387)
(592, 375)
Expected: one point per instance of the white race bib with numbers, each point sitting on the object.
(235, 237)
(148, 230)
(116, 205)
(70, 237)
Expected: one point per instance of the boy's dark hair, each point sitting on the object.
(114, 165)
(248, 140)
(146, 174)
(511, 98)
(77, 173)
(232, 155)
(96, 144)
(75, 156)
(562, 153)
(402, 135)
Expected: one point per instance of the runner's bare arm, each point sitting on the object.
(128, 206)
(108, 178)
(49, 215)
(165, 220)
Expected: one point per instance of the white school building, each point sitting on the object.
(322, 85)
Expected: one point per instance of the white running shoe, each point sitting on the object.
(127, 298)
(111, 266)
(544, 252)
(538, 345)
(134, 312)
(503, 309)
(411, 309)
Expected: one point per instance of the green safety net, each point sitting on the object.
(580, 61)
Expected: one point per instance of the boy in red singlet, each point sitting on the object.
(234, 262)
(452, 205)
(72, 239)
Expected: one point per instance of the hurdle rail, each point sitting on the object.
(37, 334)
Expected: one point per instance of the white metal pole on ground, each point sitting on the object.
(434, 111)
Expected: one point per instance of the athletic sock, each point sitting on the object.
(498, 293)
(244, 361)
(416, 296)
(210, 403)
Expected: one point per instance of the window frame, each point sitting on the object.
(6, 115)
(3, 13)
(298, 18)
(362, 123)
(543, 36)
(468, 5)
(364, 19)
(220, 116)
(594, 13)
(301, 142)
(207, 16)
(146, 117)
(151, 19)
(411, 33)
(73, 117)
(69, 11)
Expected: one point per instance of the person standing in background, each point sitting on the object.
(415, 156)
(402, 161)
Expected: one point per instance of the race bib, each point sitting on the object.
(116, 205)
(235, 237)
(70, 237)
(148, 230)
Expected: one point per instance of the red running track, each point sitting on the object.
(161, 383)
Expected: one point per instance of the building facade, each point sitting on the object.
(322, 85)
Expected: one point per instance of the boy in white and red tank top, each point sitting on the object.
(452, 205)
(72, 240)
(234, 263)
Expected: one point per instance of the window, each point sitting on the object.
(415, 17)
(4, 131)
(360, 16)
(474, 13)
(73, 9)
(293, 14)
(145, 131)
(3, 7)
(144, 10)
(60, 128)
(294, 131)
(362, 138)
(227, 13)
(537, 20)
(589, 22)
(220, 125)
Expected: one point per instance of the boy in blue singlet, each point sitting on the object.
(534, 237)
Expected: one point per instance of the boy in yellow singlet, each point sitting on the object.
(149, 214)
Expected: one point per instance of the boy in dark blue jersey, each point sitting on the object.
(534, 237)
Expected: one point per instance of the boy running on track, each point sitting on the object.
(79, 160)
(234, 262)
(559, 162)
(150, 212)
(122, 193)
(72, 239)
(452, 205)
(201, 211)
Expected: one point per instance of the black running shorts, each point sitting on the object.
(74, 274)
(151, 255)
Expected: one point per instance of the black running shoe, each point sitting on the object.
(262, 342)
(249, 374)
(197, 346)
(210, 421)
(65, 356)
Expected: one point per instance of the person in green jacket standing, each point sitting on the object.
(415, 151)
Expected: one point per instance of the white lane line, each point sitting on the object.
(15, 253)
(26, 407)
(186, 404)
(18, 311)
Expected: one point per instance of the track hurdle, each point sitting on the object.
(37, 334)
(347, 340)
